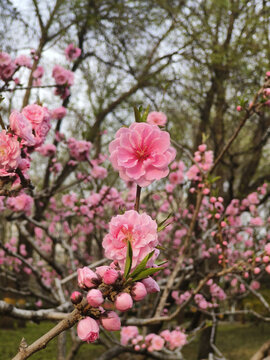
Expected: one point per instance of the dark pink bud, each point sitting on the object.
(123, 302)
(111, 321)
(76, 297)
(138, 291)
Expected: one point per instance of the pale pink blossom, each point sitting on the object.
(21, 202)
(47, 150)
(137, 228)
(157, 343)
(156, 118)
(257, 221)
(128, 333)
(35, 114)
(88, 329)
(24, 60)
(110, 276)
(6, 72)
(141, 153)
(59, 113)
(38, 73)
(72, 52)
(21, 127)
(10, 154)
(62, 76)
(79, 149)
(177, 339)
(5, 59)
(111, 321)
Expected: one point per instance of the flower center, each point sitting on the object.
(142, 154)
(2, 151)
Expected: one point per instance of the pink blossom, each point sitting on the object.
(111, 321)
(59, 113)
(86, 278)
(239, 108)
(95, 297)
(7, 71)
(38, 73)
(255, 285)
(141, 153)
(138, 291)
(47, 150)
(42, 130)
(22, 127)
(156, 118)
(23, 60)
(88, 329)
(151, 285)
(157, 342)
(127, 333)
(137, 228)
(62, 76)
(267, 269)
(10, 153)
(35, 114)
(123, 302)
(177, 339)
(79, 149)
(267, 249)
(5, 59)
(21, 202)
(100, 270)
(72, 52)
(257, 221)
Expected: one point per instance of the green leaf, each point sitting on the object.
(128, 260)
(147, 272)
(145, 114)
(137, 114)
(142, 265)
(162, 225)
(162, 263)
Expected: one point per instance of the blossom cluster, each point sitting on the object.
(171, 340)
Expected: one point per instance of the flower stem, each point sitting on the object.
(138, 195)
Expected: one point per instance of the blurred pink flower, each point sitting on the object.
(156, 118)
(22, 127)
(10, 153)
(127, 333)
(72, 52)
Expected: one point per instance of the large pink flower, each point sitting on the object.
(141, 153)
(21, 202)
(35, 114)
(22, 127)
(139, 229)
(10, 153)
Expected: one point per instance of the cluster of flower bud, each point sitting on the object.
(171, 340)
(107, 289)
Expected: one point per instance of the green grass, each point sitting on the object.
(236, 341)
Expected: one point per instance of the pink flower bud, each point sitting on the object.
(111, 321)
(76, 297)
(110, 276)
(257, 270)
(266, 259)
(101, 270)
(123, 302)
(267, 269)
(87, 278)
(202, 147)
(95, 298)
(138, 291)
(88, 329)
(151, 285)
(239, 108)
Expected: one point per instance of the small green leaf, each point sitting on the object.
(162, 263)
(147, 272)
(145, 114)
(142, 265)
(128, 260)
(137, 114)
(159, 247)
(161, 225)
